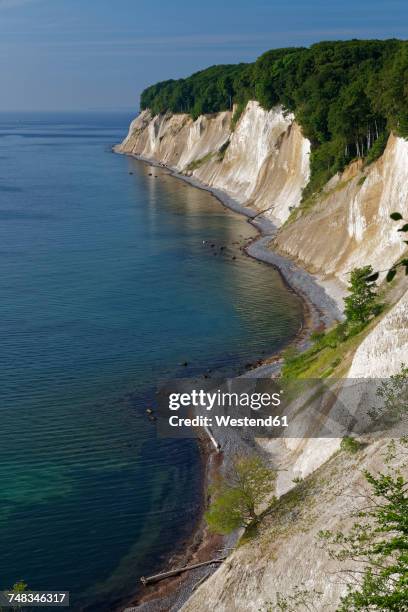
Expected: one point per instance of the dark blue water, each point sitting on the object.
(105, 288)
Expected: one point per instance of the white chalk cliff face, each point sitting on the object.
(354, 212)
(266, 166)
(384, 350)
(379, 356)
(263, 162)
(274, 561)
(176, 140)
(286, 554)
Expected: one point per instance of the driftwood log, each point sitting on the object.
(179, 570)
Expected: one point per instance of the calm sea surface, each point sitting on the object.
(105, 288)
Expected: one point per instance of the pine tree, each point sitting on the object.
(362, 303)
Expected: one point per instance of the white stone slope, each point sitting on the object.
(381, 354)
(176, 140)
(265, 165)
(350, 226)
(286, 554)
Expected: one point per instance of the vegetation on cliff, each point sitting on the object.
(330, 348)
(371, 553)
(237, 495)
(361, 304)
(346, 95)
(377, 546)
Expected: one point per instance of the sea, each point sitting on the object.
(112, 278)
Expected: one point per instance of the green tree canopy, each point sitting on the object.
(361, 303)
(346, 95)
(237, 496)
(378, 541)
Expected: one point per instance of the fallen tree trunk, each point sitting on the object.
(175, 572)
(202, 579)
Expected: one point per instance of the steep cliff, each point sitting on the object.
(354, 210)
(386, 348)
(262, 163)
(176, 140)
(285, 554)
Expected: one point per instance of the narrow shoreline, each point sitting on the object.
(201, 545)
(322, 307)
(319, 310)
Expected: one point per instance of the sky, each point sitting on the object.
(100, 54)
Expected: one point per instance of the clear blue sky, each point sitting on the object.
(100, 54)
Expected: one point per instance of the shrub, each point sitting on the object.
(361, 303)
(376, 545)
(237, 495)
(350, 445)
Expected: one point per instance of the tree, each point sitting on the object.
(393, 395)
(362, 303)
(346, 95)
(378, 545)
(237, 495)
(402, 263)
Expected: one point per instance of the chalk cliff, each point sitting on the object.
(263, 163)
(349, 225)
(285, 555)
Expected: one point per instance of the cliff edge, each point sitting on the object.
(262, 161)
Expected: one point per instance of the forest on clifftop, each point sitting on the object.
(346, 95)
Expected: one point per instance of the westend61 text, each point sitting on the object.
(227, 421)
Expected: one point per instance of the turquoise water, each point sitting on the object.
(106, 287)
